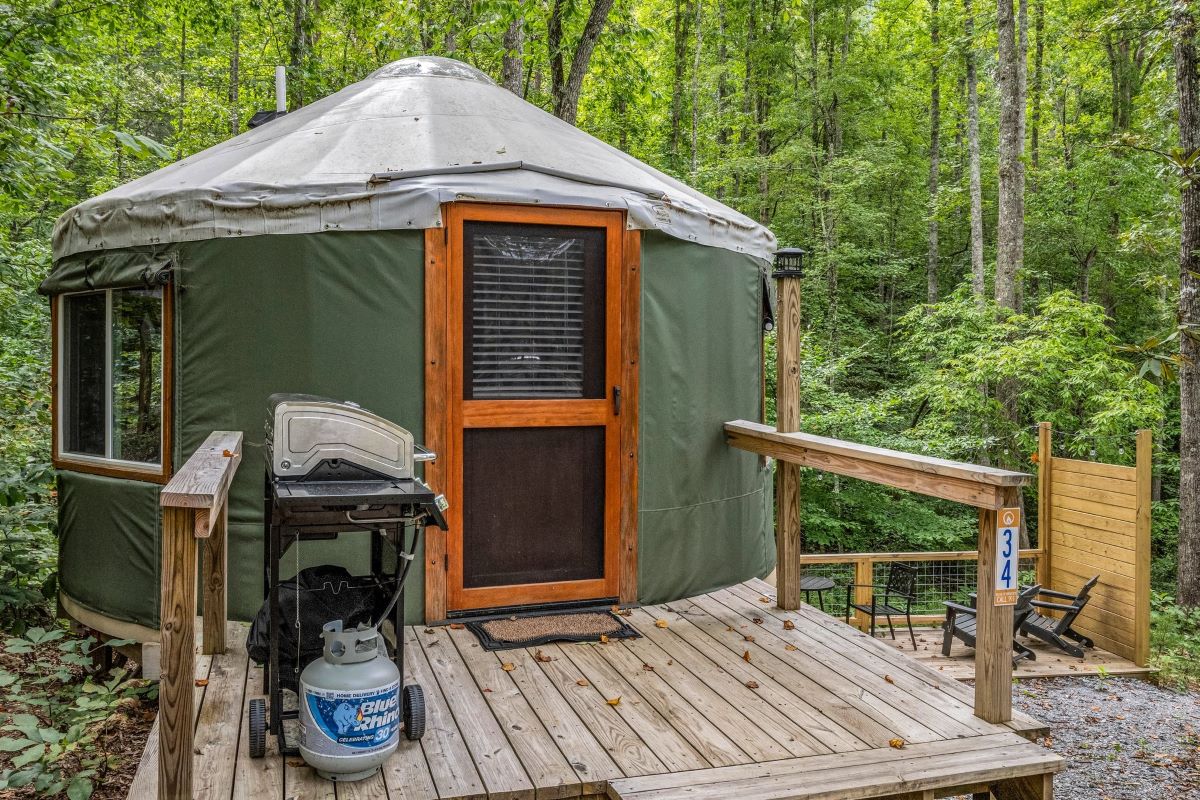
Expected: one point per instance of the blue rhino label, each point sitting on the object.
(364, 720)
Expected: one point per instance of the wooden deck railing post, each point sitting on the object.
(788, 537)
(864, 575)
(1141, 564)
(194, 515)
(214, 567)
(993, 647)
(1044, 510)
(177, 615)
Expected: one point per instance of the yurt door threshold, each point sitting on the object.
(537, 390)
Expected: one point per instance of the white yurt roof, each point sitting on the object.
(385, 153)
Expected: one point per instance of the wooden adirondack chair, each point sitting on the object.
(1059, 632)
(961, 620)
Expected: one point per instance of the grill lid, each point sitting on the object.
(316, 438)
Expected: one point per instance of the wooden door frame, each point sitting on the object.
(443, 380)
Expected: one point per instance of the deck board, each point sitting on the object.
(809, 715)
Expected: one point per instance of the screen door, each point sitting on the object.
(539, 410)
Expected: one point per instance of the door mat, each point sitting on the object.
(509, 633)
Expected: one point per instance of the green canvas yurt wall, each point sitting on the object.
(705, 515)
(341, 314)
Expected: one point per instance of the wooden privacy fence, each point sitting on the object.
(1094, 519)
(195, 516)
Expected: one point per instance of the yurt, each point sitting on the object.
(565, 326)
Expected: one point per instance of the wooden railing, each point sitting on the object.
(194, 516)
(864, 572)
(986, 488)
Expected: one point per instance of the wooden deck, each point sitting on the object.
(1050, 663)
(724, 701)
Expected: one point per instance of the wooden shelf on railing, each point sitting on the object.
(971, 484)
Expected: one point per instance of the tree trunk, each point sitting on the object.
(566, 86)
(182, 87)
(1187, 84)
(513, 67)
(680, 36)
(699, 4)
(1010, 228)
(935, 114)
(1039, 28)
(235, 123)
(978, 287)
(297, 52)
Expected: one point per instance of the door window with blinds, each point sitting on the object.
(534, 309)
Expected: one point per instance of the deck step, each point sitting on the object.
(858, 775)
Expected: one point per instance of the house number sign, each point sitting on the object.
(1008, 553)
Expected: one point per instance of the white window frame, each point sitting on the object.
(144, 468)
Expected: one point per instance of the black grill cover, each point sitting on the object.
(324, 594)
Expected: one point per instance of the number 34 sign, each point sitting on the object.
(1008, 553)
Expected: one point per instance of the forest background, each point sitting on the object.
(867, 132)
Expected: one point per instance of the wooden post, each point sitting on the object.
(864, 575)
(177, 617)
(788, 542)
(1045, 500)
(993, 648)
(1141, 555)
(215, 569)
(194, 506)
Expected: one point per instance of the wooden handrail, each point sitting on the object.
(195, 511)
(986, 488)
(971, 484)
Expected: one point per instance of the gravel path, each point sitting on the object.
(1122, 738)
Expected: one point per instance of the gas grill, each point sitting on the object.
(335, 469)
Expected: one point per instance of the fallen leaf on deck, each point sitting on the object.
(603, 639)
(670, 662)
(540, 656)
(790, 647)
(486, 689)
(758, 621)
(295, 762)
(896, 743)
(456, 626)
(888, 678)
(748, 637)
(660, 623)
(582, 682)
(647, 668)
(746, 656)
(202, 681)
(788, 625)
(507, 667)
(728, 627)
(764, 600)
(751, 684)
(430, 630)
(614, 701)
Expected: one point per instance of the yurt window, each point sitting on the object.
(110, 370)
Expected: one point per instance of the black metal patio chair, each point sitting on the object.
(1058, 631)
(900, 588)
(961, 624)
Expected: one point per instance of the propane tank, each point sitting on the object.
(349, 705)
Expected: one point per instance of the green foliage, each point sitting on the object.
(1175, 642)
(56, 713)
